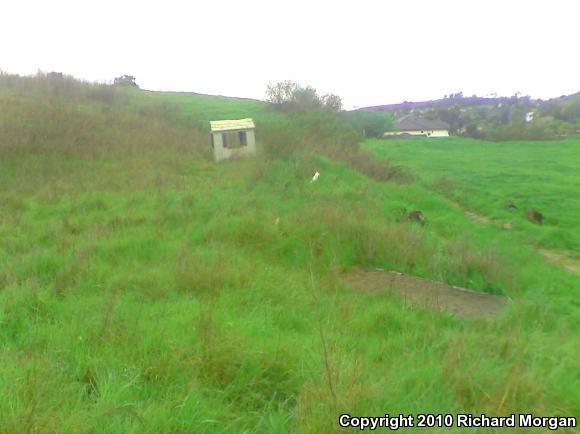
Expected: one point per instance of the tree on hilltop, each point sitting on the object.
(125, 80)
(289, 95)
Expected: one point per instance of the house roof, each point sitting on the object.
(228, 125)
(413, 122)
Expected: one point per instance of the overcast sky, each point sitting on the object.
(368, 52)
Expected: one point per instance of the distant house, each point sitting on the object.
(530, 116)
(414, 125)
(232, 138)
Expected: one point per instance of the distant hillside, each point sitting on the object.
(502, 118)
(200, 108)
(444, 102)
(34, 109)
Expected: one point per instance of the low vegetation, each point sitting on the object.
(144, 288)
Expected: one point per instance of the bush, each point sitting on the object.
(312, 129)
(289, 95)
(125, 80)
(516, 131)
(370, 123)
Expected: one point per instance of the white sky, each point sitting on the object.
(368, 52)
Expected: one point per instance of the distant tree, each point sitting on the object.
(125, 80)
(332, 102)
(451, 115)
(305, 98)
(281, 93)
(55, 75)
(289, 95)
(371, 123)
(471, 130)
(571, 110)
(504, 115)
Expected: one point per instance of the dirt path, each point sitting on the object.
(478, 218)
(435, 295)
(560, 258)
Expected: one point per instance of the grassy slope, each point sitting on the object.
(483, 176)
(198, 109)
(146, 289)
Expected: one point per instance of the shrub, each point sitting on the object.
(289, 95)
(370, 123)
(125, 80)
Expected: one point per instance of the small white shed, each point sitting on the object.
(232, 138)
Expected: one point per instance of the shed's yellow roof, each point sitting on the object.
(236, 124)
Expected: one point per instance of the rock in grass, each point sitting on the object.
(414, 216)
(535, 216)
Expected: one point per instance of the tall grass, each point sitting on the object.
(144, 288)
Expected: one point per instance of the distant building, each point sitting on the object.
(232, 138)
(414, 125)
(529, 116)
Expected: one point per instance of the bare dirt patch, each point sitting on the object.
(561, 258)
(434, 295)
(478, 218)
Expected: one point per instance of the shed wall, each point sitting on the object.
(428, 133)
(221, 153)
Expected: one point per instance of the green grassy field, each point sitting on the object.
(144, 288)
(484, 176)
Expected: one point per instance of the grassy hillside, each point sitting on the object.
(198, 109)
(484, 176)
(144, 288)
